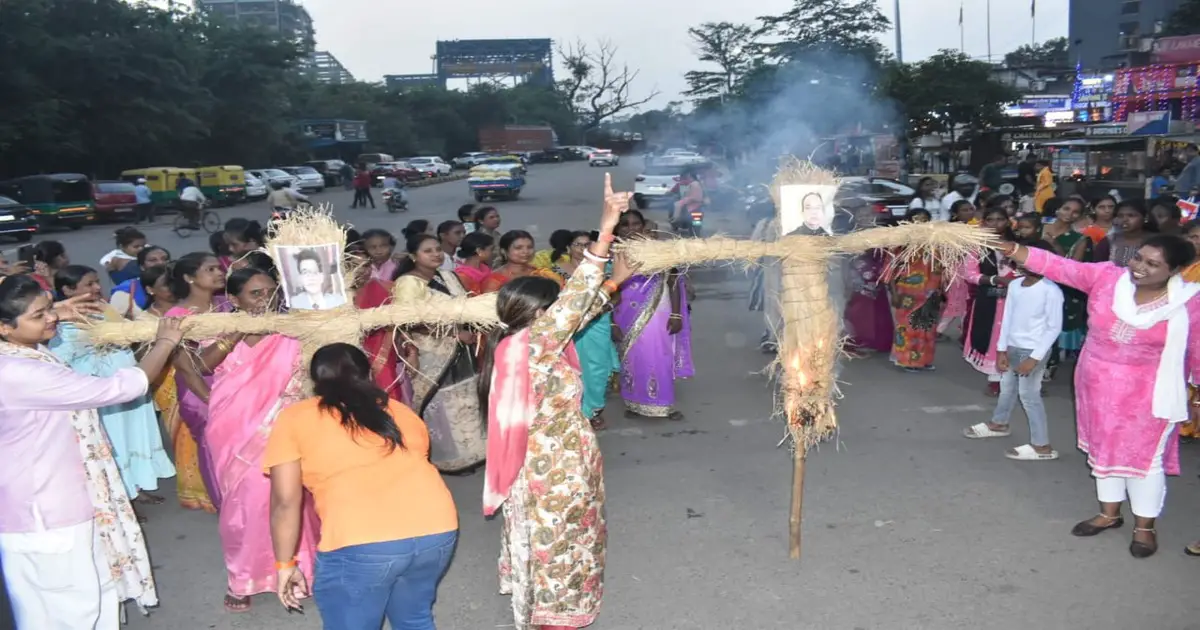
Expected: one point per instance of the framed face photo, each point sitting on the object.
(311, 276)
(806, 209)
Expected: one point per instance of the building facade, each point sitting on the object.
(285, 16)
(1109, 34)
(325, 68)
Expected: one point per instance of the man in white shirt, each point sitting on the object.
(965, 187)
(191, 199)
(1032, 322)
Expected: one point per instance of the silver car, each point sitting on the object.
(307, 178)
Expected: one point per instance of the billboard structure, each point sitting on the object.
(522, 60)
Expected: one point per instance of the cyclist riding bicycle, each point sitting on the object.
(191, 200)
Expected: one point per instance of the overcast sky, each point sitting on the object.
(373, 38)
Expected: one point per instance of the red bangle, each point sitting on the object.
(290, 564)
(606, 238)
(611, 286)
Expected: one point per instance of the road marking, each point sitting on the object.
(747, 422)
(953, 409)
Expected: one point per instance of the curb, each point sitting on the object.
(453, 177)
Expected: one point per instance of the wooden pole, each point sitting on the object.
(795, 521)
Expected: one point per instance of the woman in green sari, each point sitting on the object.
(1072, 244)
(598, 359)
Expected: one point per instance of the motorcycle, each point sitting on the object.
(395, 199)
(691, 226)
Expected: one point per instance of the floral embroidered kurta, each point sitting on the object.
(1114, 380)
(552, 558)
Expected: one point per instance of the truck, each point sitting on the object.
(517, 138)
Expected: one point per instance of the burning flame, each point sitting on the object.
(795, 367)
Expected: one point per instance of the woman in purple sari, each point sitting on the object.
(868, 311)
(653, 334)
(198, 282)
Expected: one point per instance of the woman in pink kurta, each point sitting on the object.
(257, 377)
(1131, 380)
(991, 273)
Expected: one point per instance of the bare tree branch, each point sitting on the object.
(598, 88)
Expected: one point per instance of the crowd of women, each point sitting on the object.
(1130, 323)
(353, 445)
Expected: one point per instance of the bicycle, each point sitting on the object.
(209, 221)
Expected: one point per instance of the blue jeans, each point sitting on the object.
(1029, 390)
(356, 587)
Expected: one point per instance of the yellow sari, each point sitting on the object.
(188, 483)
(1190, 429)
(1045, 189)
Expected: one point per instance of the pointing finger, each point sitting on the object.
(608, 191)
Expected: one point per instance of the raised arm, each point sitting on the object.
(551, 332)
(1082, 276)
(59, 388)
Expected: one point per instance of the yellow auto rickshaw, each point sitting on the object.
(163, 182)
(224, 185)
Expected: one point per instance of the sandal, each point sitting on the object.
(598, 423)
(982, 430)
(1087, 528)
(1027, 453)
(1193, 549)
(1139, 549)
(235, 604)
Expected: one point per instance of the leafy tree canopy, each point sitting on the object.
(1185, 20)
(1052, 53)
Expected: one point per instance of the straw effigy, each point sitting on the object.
(347, 324)
(809, 339)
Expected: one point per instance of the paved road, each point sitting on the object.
(907, 524)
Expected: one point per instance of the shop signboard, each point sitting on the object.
(1165, 80)
(1148, 123)
(1037, 106)
(1176, 49)
(1101, 131)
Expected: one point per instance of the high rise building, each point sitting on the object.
(285, 16)
(326, 68)
(1108, 34)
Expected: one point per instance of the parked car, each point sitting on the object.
(113, 199)
(273, 175)
(553, 154)
(256, 188)
(886, 196)
(307, 178)
(469, 159)
(16, 220)
(402, 171)
(331, 170)
(681, 157)
(657, 183)
(431, 166)
(603, 157)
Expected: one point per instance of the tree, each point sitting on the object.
(844, 27)
(1185, 20)
(947, 90)
(107, 85)
(597, 87)
(726, 45)
(1052, 53)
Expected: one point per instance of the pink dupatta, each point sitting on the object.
(249, 389)
(512, 406)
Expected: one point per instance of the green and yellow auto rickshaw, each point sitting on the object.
(162, 181)
(55, 199)
(224, 185)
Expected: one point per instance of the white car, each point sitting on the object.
(679, 156)
(255, 188)
(273, 175)
(307, 178)
(656, 183)
(467, 160)
(603, 157)
(431, 166)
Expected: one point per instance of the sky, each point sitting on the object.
(377, 37)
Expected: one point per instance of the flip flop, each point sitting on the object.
(982, 431)
(1027, 453)
(235, 604)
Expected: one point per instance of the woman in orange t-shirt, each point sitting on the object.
(388, 522)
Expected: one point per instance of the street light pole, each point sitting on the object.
(989, 31)
(899, 39)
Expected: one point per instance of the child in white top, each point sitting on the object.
(1032, 322)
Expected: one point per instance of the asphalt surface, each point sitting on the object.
(907, 525)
